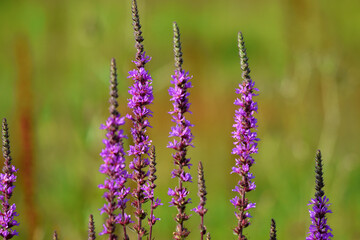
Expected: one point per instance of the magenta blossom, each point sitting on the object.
(113, 167)
(245, 143)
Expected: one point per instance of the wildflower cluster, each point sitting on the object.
(245, 142)
(114, 165)
(143, 164)
(183, 138)
(142, 96)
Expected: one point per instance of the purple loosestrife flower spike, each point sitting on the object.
(142, 96)
(201, 210)
(273, 230)
(114, 166)
(245, 142)
(91, 228)
(182, 132)
(149, 191)
(7, 180)
(319, 229)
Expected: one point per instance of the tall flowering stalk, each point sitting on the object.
(114, 166)
(142, 96)
(149, 192)
(7, 179)
(200, 209)
(245, 142)
(182, 132)
(319, 229)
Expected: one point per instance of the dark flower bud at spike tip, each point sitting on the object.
(177, 48)
(113, 89)
(243, 58)
(138, 34)
(208, 236)
(91, 230)
(319, 182)
(55, 236)
(6, 142)
(201, 184)
(152, 166)
(273, 230)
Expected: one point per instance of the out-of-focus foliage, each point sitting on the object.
(304, 57)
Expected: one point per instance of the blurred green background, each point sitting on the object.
(304, 57)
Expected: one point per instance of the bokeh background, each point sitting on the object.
(304, 57)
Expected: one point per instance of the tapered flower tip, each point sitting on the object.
(5, 139)
(240, 37)
(175, 27)
(152, 167)
(318, 153)
(319, 181)
(243, 58)
(113, 88)
(208, 236)
(177, 48)
(201, 184)
(113, 62)
(113, 69)
(4, 124)
(273, 230)
(6, 146)
(55, 236)
(134, 10)
(241, 44)
(137, 33)
(113, 74)
(91, 230)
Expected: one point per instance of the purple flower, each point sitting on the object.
(7, 180)
(183, 138)
(141, 96)
(114, 165)
(179, 197)
(319, 229)
(245, 142)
